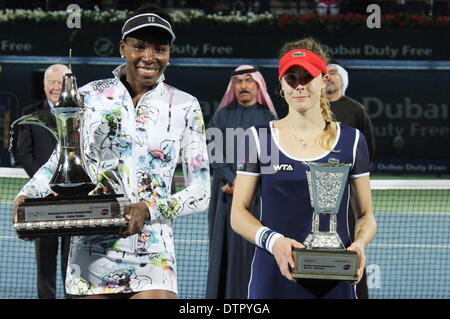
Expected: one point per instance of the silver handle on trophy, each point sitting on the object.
(71, 175)
(74, 212)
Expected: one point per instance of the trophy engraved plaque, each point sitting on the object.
(71, 215)
(73, 211)
(324, 255)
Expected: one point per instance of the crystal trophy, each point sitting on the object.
(324, 255)
(73, 211)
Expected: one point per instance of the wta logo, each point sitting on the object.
(104, 212)
(283, 167)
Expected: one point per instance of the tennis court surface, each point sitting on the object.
(409, 257)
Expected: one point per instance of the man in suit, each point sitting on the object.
(34, 146)
(347, 110)
(351, 113)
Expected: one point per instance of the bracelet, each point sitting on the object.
(150, 206)
(265, 238)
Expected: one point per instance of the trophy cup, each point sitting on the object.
(73, 211)
(325, 256)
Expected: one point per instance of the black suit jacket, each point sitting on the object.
(35, 144)
(353, 114)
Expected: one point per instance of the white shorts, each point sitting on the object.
(93, 271)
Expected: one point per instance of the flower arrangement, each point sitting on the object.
(198, 17)
(38, 15)
(331, 22)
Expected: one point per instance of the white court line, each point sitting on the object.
(201, 241)
(198, 241)
(409, 246)
(13, 172)
(8, 237)
(412, 213)
(417, 184)
(189, 241)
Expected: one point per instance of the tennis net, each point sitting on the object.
(409, 257)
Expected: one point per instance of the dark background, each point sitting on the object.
(400, 75)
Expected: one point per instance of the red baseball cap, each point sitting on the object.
(310, 61)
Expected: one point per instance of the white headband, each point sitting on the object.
(146, 20)
(343, 74)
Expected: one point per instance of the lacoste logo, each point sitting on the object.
(283, 167)
(298, 54)
(332, 160)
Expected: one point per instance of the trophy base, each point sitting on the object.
(71, 216)
(324, 240)
(335, 264)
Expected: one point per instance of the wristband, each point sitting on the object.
(265, 238)
(150, 207)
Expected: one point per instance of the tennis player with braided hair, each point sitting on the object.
(307, 133)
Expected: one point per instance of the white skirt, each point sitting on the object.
(93, 271)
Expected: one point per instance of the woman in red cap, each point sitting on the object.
(307, 134)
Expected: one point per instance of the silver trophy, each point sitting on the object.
(73, 211)
(325, 256)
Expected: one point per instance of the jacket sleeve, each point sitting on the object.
(38, 185)
(195, 197)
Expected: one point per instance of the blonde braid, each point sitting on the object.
(329, 133)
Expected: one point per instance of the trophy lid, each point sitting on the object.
(69, 94)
